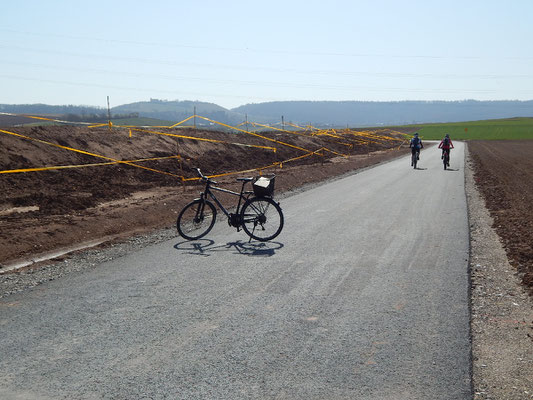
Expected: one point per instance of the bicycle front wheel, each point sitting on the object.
(196, 219)
(262, 218)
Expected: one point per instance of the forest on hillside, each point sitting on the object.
(318, 113)
(366, 113)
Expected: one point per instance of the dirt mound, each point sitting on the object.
(504, 174)
(45, 210)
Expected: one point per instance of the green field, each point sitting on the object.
(501, 129)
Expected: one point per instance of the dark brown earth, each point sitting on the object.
(504, 174)
(48, 210)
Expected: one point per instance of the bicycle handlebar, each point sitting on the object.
(207, 179)
(203, 177)
(199, 172)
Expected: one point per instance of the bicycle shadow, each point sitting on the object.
(420, 169)
(208, 247)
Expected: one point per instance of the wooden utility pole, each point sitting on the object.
(180, 162)
(282, 123)
(194, 117)
(108, 115)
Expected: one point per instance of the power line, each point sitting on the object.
(263, 51)
(310, 72)
(367, 88)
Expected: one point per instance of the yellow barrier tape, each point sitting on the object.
(304, 156)
(295, 126)
(338, 137)
(278, 129)
(205, 139)
(401, 144)
(254, 134)
(89, 154)
(361, 137)
(233, 173)
(45, 119)
(338, 154)
(377, 134)
(179, 123)
(273, 165)
(14, 171)
(371, 135)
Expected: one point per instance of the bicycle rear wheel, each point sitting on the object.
(196, 219)
(262, 218)
(414, 159)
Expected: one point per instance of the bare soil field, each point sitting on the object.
(45, 211)
(504, 175)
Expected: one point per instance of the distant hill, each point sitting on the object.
(364, 113)
(45, 109)
(318, 113)
(156, 109)
(178, 110)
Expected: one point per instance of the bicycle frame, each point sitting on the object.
(207, 193)
(251, 214)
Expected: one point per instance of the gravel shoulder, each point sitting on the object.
(502, 311)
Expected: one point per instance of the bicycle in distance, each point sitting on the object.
(446, 144)
(415, 144)
(446, 158)
(415, 155)
(256, 212)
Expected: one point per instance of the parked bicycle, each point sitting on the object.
(256, 213)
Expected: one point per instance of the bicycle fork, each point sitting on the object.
(200, 210)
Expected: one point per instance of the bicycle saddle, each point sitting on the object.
(245, 179)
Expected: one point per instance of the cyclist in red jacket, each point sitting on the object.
(446, 144)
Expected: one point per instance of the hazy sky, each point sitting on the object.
(238, 52)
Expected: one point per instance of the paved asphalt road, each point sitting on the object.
(364, 295)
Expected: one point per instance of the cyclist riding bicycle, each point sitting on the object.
(446, 144)
(416, 145)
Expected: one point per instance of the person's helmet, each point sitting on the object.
(447, 135)
(416, 133)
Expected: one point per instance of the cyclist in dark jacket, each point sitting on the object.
(446, 144)
(416, 144)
